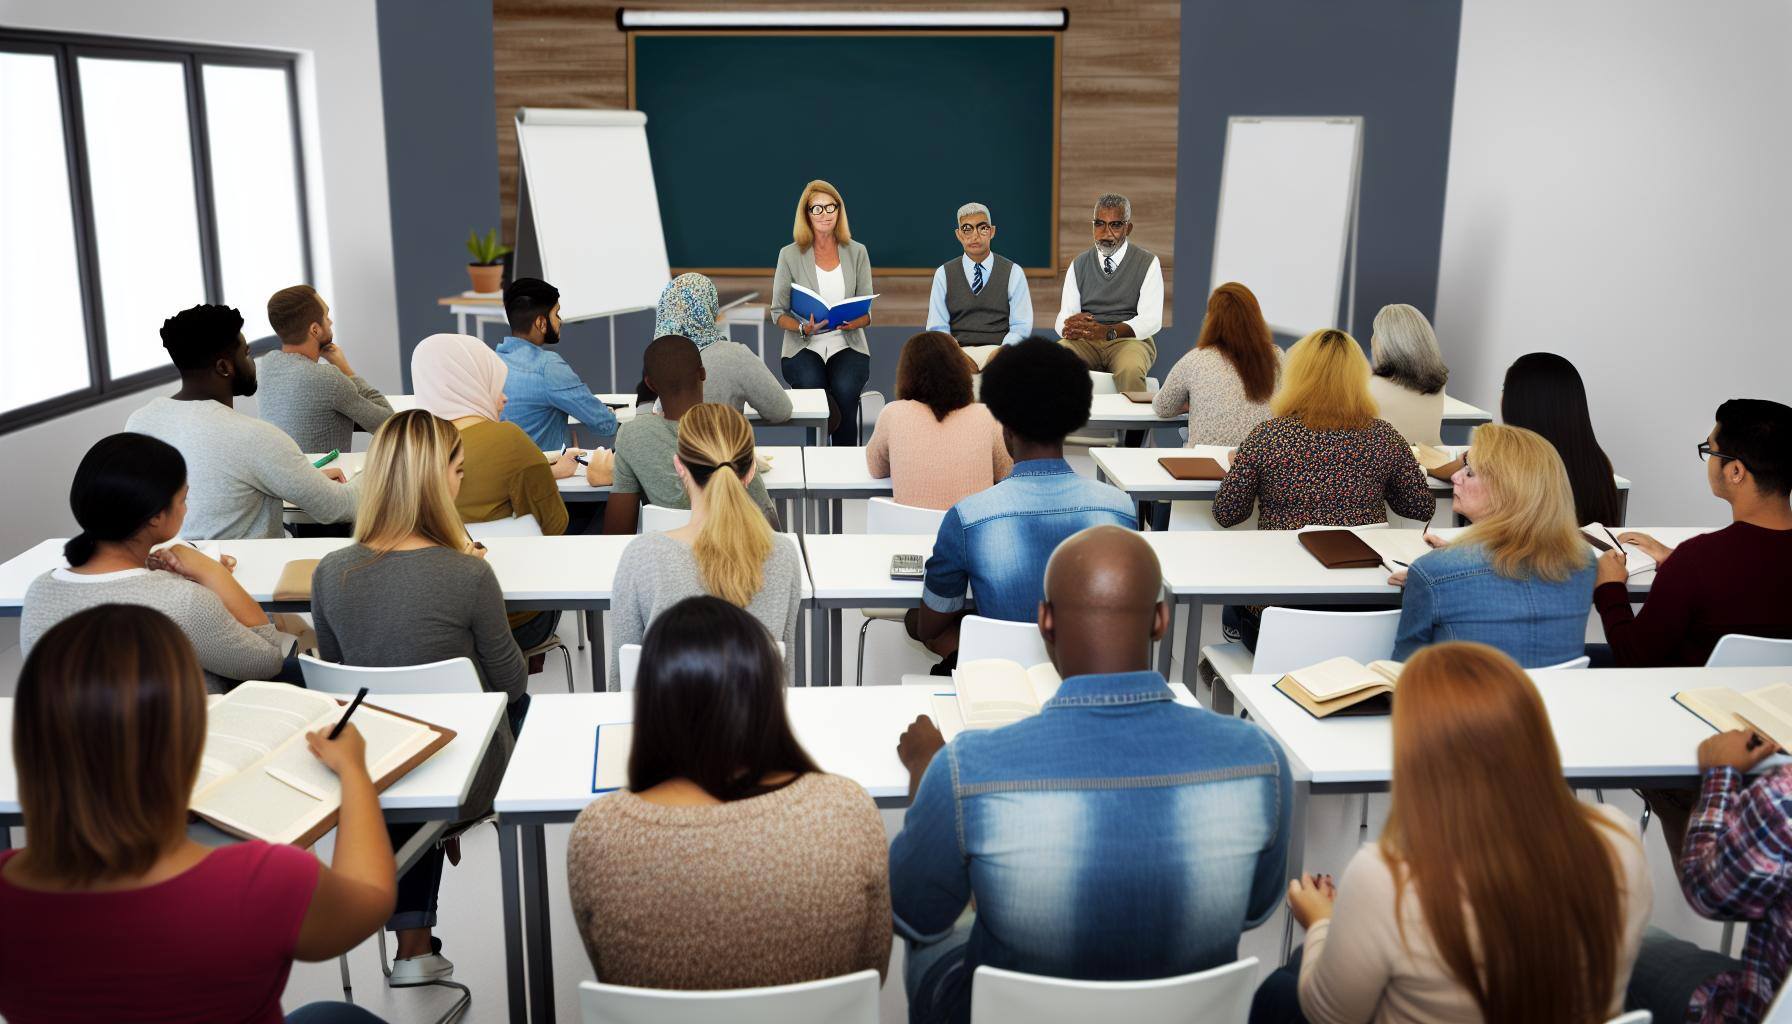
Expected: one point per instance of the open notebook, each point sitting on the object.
(1601, 537)
(993, 692)
(259, 780)
(1767, 711)
(1342, 686)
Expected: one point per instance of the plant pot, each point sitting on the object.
(486, 278)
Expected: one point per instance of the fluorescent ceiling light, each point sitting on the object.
(635, 18)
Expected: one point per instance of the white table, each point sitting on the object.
(808, 410)
(1117, 412)
(850, 732)
(1270, 567)
(535, 573)
(1458, 413)
(436, 790)
(833, 475)
(853, 571)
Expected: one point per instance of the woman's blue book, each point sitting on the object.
(805, 304)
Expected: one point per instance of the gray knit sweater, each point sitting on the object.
(228, 650)
(239, 470)
(733, 374)
(316, 404)
(656, 572)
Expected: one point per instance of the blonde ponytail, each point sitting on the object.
(715, 443)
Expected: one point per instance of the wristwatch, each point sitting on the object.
(1113, 333)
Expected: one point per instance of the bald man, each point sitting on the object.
(1116, 835)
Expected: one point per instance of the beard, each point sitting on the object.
(1109, 248)
(243, 385)
(552, 337)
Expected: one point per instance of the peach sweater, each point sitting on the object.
(933, 463)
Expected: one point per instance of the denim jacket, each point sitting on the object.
(996, 542)
(1116, 835)
(542, 390)
(1454, 594)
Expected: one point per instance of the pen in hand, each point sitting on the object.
(1616, 546)
(351, 710)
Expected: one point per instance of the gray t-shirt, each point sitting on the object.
(316, 404)
(644, 449)
(734, 375)
(656, 572)
(239, 470)
(412, 608)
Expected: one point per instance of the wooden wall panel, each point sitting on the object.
(1117, 132)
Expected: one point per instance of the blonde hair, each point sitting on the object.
(1530, 527)
(404, 484)
(802, 233)
(1326, 383)
(715, 443)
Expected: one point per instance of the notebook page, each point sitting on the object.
(1335, 677)
(993, 692)
(609, 769)
(1600, 537)
(391, 741)
(1769, 710)
(251, 722)
(1719, 706)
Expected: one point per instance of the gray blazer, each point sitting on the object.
(798, 265)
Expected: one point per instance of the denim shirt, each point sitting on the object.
(542, 390)
(1454, 594)
(1115, 835)
(996, 542)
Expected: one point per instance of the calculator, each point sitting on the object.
(906, 567)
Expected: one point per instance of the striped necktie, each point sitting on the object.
(1107, 264)
(976, 278)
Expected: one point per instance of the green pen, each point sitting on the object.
(326, 460)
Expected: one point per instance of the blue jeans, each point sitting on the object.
(331, 1013)
(843, 377)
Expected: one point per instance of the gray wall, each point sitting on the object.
(1392, 61)
(441, 152)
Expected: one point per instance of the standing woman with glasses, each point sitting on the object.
(823, 258)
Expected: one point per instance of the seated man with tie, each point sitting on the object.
(981, 299)
(1114, 299)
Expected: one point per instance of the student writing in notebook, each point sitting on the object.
(111, 912)
(730, 861)
(1115, 835)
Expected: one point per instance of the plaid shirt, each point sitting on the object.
(1737, 865)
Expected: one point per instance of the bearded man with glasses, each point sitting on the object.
(1114, 299)
(981, 299)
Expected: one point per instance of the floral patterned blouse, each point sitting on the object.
(1300, 477)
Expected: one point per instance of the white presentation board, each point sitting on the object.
(588, 217)
(1287, 216)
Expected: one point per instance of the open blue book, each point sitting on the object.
(805, 304)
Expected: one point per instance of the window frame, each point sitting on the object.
(67, 49)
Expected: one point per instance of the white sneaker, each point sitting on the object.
(420, 970)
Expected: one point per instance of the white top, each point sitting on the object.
(1151, 297)
(831, 286)
(1417, 417)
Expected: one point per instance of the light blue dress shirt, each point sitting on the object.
(1020, 300)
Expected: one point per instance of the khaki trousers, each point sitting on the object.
(979, 354)
(1128, 359)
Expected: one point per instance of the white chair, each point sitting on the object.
(455, 675)
(659, 519)
(1573, 663)
(628, 664)
(1635, 1017)
(1738, 650)
(883, 515)
(1218, 996)
(526, 526)
(1292, 638)
(871, 406)
(849, 999)
(1019, 642)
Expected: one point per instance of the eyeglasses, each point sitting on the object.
(1114, 224)
(1706, 452)
(975, 229)
(820, 208)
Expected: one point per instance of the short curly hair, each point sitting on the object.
(1038, 389)
(196, 336)
(934, 371)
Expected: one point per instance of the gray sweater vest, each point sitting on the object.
(980, 319)
(1111, 298)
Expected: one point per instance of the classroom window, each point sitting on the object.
(136, 179)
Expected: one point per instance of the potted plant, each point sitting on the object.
(487, 266)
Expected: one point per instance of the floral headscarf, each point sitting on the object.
(688, 306)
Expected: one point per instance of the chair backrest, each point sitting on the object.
(456, 675)
(628, 663)
(515, 526)
(1637, 1017)
(1294, 638)
(1218, 996)
(1738, 650)
(1103, 382)
(1019, 642)
(849, 999)
(871, 406)
(1581, 662)
(883, 515)
(659, 519)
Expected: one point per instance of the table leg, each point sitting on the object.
(540, 941)
(513, 922)
(1191, 661)
(594, 621)
(1297, 846)
(818, 656)
(836, 649)
(460, 323)
(796, 653)
(836, 516)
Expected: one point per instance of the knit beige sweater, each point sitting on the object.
(777, 889)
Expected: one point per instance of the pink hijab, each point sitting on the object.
(456, 375)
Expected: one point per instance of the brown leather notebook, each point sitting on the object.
(1339, 549)
(1140, 397)
(1198, 468)
(295, 580)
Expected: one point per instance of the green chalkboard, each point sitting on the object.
(908, 127)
